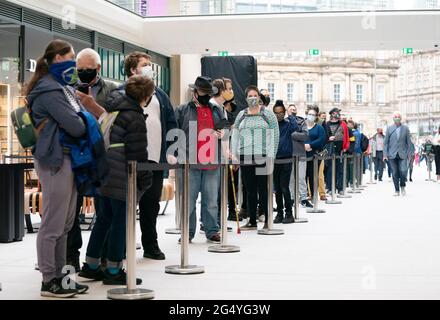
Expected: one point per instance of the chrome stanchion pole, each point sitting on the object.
(370, 162)
(184, 268)
(354, 188)
(178, 201)
(131, 292)
(224, 247)
(270, 230)
(344, 182)
(240, 190)
(333, 200)
(315, 187)
(296, 194)
(429, 165)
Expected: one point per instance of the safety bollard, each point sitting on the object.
(344, 194)
(131, 292)
(354, 188)
(270, 231)
(178, 201)
(296, 194)
(315, 187)
(370, 161)
(184, 268)
(224, 247)
(333, 200)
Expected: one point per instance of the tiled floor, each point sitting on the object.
(373, 246)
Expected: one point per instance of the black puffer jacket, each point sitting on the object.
(130, 130)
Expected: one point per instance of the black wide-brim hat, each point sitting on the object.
(204, 84)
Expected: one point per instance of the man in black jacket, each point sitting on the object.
(90, 82)
(160, 118)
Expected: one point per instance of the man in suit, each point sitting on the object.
(397, 147)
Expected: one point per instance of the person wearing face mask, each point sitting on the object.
(128, 142)
(266, 97)
(339, 142)
(255, 138)
(313, 145)
(160, 119)
(291, 111)
(52, 111)
(210, 120)
(436, 143)
(397, 150)
(377, 146)
(322, 121)
(88, 64)
(282, 172)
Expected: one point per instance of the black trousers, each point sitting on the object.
(256, 188)
(310, 176)
(437, 159)
(281, 179)
(149, 207)
(74, 238)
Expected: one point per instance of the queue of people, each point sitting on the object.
(65, 108)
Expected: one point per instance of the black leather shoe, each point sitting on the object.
(154, 252)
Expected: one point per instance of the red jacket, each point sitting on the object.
(346, 141)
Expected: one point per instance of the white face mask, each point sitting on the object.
(311, 118)
(148, 72)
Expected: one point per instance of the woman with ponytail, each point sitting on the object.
(51, 110)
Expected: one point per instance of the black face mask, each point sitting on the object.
(204, 100)
(87, 75)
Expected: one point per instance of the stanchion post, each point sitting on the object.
(224, 247)
(354, 188)
(270, 230)
(344, 182)
(297, 219)
(315, 187)
(429, 165)
(370, 162)
(361, 172)
(333, 200)
(178, 202)
(184, 268)
(131, 292)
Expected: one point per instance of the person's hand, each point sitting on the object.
(385, 158)
(332, 138)
(308, 147)
(171, 159)
(90, 104)
(219, 134)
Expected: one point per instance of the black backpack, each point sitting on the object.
(364, 142)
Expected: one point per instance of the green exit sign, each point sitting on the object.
(223, 53)
(314, 52)
(407, 51)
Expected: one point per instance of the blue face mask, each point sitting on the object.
(64, 72)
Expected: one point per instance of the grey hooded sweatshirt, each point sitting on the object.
(47, 100)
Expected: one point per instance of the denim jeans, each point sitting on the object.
(378, 165)
(207, 183)
(110, 225)
(400, 171)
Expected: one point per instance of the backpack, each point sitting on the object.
(364, 142)
(24, 128)
(246, 114)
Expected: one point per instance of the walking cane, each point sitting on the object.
(231, 169)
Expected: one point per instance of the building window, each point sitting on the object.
(337, 93)
(309, 93)
(380, 94)
(359, 93)
(271, 89)
(290, 92)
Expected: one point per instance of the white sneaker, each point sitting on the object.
(262, 218)
(403, 191)
(397, 194)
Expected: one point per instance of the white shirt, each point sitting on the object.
(154, 130)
